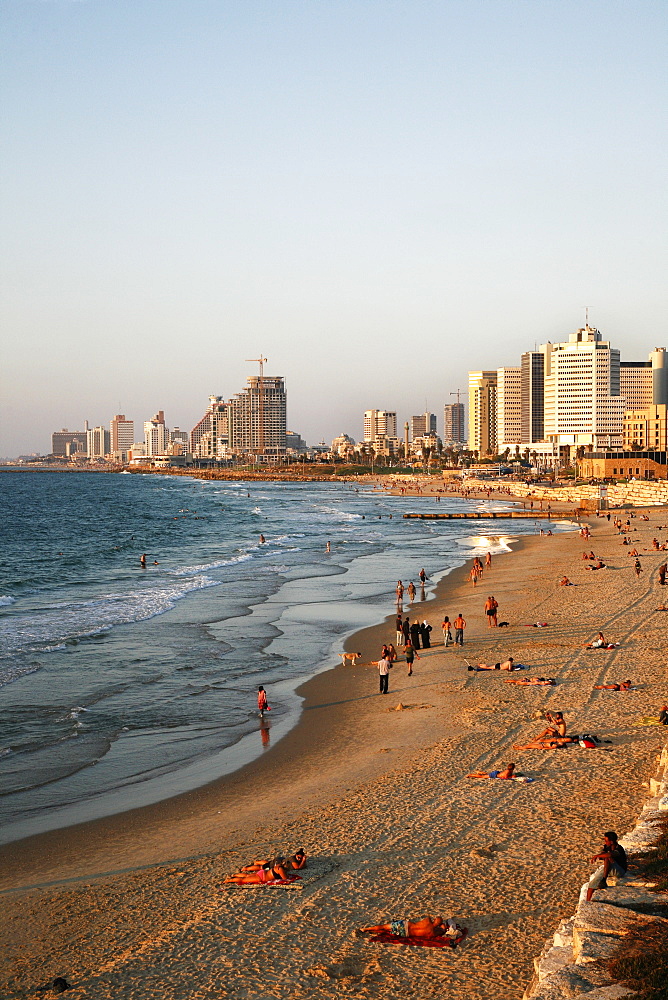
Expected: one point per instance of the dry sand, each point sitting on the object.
(132, 906)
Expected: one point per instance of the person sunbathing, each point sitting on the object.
(565, 582)
(597, 643)
(531, 681)
(557, 727)
(427, 927)
(597, 565)
(295, 862)
(624, 686)
(508, 664)
(507, 772)
(263, 876)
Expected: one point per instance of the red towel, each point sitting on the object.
(419, 942)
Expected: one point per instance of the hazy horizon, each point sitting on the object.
(377, 196)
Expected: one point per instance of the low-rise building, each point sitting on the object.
(624, 465)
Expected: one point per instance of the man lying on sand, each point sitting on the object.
(427, 927)
(624, 686)
(508, 664)
(508, 772)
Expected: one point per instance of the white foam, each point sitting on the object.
(6, 600)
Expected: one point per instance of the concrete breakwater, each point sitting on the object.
(574, 962)
(485, 515)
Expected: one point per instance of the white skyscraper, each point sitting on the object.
(583, 404)
(379, 423)
(156, 435)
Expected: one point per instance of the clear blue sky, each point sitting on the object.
(376, 194)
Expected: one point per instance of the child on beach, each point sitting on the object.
(262, 703)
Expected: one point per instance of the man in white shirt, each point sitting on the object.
(384, 666)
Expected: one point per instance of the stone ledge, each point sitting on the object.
(573, 965)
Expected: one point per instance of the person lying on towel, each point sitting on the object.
(507, 772)
(263, 876)
(427, 927)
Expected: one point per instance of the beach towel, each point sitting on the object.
(418, 942)
(283, 883)
(647, 720)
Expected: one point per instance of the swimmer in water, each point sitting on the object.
(142, 561)
(262, 539)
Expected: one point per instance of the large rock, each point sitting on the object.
(578, 983)
(634, 898)
(599, 929)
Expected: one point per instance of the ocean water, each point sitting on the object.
(119, 685)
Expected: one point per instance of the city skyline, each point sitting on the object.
(380, 197)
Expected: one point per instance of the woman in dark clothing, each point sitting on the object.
(425, 629)
(415, 635)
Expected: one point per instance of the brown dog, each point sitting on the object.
(349, 658)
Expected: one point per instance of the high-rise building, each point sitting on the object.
(66, 443)
(379, 423)
(423, 423)
(258, 417)
(508, 407)
(583, 405)
(482, 412)
(156, 435)
(454, 429)
(98, 444)
(176, 434)
(533, 397)
(636, 383)
(122, 433)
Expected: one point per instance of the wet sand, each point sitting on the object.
(131, 905)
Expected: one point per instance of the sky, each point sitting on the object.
(376, 195)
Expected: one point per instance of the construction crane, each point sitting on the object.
(260, 413)
(457, 394)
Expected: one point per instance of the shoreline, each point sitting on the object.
(323, 684)
(380, 800)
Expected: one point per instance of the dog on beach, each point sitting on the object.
(349, 658)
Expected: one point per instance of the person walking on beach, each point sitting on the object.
(423, 577)
(490, 610)
(488, 559)
(460, 625)
(410, 653)
(384, 666)
(411, 591)
(663, 569)
(400, 630)
(447, 633)
(406, 629)
(262, 703)
(415, 634)
(638, 568)
(400, 591)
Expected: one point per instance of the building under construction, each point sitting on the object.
(252, 423)
(257, 418)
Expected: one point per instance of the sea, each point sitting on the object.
(121, 686)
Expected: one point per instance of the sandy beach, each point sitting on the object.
(132, 905)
